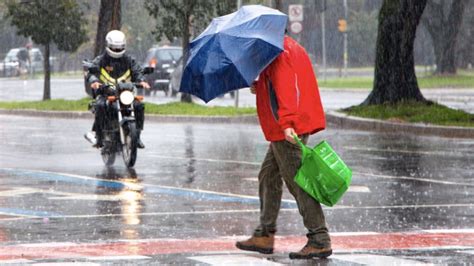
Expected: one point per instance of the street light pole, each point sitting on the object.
(345, 40)
(323, 33)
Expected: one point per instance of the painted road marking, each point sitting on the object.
(233, 260)
(428, 180)
(205, 160)
(27, 213)
(354, 172)
(369, 259)
(174, 191)
(438, 153)
(18, 261)
(235, 211)
(132, 257)
(66, 264)
(185, 192)
(50, 244)
(352, 188)
(71, 178)
(19, 191)
(468, 230)
(283, 244)
(467, 251)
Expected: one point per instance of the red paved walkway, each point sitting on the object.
(283, 244)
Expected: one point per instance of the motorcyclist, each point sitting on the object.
(115, 66)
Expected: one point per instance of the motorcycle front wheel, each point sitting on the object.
(129, 147)
(108, 155)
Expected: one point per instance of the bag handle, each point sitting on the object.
(304, 149)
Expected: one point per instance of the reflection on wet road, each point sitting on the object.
(194, 192)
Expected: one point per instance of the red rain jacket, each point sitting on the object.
(288, 94)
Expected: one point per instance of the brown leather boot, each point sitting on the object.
(309, 252)
(262, 244)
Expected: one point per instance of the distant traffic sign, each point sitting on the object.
(295, 13)
(296, 27)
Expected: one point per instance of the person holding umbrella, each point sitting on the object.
(230, 54)
(288, 104)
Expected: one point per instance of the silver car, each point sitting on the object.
(20, 61)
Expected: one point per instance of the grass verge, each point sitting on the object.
(413, 112)
(175, 108)
(179, 108)
(425, 82)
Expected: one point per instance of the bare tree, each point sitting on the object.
(277, 5)
(444, 27)
(395, 80)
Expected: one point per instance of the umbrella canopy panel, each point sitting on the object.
(233, 50)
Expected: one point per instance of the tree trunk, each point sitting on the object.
(47, 75)
(278, 5)
(109, 19)
(444, 31)
(186, 34)
(395, 79)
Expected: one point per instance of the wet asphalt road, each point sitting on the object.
(193, 193)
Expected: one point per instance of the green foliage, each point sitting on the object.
(60, 22)
(350, 82)
(414, 112)
(51, 105)
(172, 15)
(137, 24)
(362, 36)
(180, 108)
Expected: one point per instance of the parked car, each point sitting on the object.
(164, 60)
(20, 61)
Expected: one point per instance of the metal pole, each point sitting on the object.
(323, 29)
(345, 40)
(236, 104)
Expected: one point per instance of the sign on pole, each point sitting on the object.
(295, 13)
(296, 27)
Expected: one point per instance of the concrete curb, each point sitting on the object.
(336, 119)
(350, 122)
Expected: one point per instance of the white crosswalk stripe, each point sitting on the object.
(369, 259)
(234, 260)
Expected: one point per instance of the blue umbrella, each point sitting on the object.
(232, 51)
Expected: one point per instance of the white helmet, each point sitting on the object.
(115, 43)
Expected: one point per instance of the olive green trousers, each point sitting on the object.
(281, 163)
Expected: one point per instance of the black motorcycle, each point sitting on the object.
(120, 133)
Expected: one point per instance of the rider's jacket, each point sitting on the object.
(115, 70)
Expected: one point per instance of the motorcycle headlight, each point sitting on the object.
(126, 97)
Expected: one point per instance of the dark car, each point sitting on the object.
(164, 60)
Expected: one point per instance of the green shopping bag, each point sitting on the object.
(322, 173)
